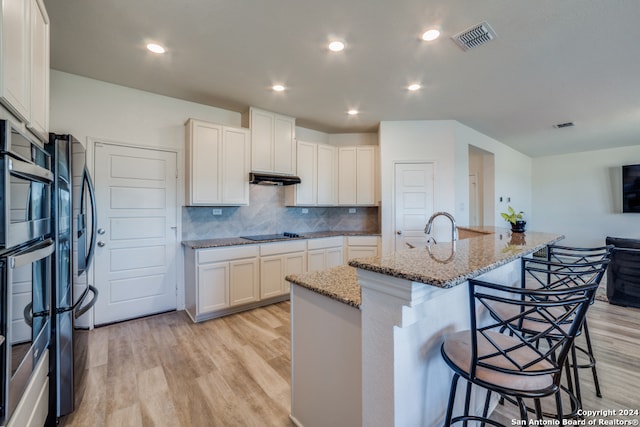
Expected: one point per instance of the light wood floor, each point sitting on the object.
(235, 371)
(167, 371)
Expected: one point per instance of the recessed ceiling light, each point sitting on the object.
(353, 112)
(155, 48)
(336, 46)
(277, 88)
(414, 87)
(430, 35)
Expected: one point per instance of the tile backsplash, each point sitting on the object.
(267, 214)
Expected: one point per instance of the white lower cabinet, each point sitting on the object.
(278, 260)
(217, 280)
(225, 280)
(244, 281)
(325, 253)
(213, 287)
(362, 246)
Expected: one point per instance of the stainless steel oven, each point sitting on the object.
(25, 276)
(25, 188)
(26, 256)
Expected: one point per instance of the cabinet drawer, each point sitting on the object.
(282, 247)
(362, 241)
(325, 242)
(224, 254)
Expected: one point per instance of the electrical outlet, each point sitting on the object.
(216, 211)
(305, 210)
(352, 210)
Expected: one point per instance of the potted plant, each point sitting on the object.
(516, 220)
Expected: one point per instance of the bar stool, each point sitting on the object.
(582, 255)
(495, 354)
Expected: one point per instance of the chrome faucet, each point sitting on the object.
(454, 229)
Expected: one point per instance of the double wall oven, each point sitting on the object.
(26, 254)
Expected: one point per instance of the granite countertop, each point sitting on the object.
(235, 241)
(339, 283)
(436, 265)
(440, 265)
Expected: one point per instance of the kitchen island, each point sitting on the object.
(366, 338)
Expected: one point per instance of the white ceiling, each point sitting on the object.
(553, 61)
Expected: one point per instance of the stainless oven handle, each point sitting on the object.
(44, 250)
(30, 171)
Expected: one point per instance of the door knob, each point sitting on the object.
(399, 232)
(101, 243)
(101, 231)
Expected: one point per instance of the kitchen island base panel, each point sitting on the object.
(326, 380)
(403, 326)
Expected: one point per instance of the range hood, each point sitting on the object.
(272, 179)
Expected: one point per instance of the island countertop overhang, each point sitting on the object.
(448, 264)
(472, 257)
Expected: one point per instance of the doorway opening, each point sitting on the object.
(481, 187)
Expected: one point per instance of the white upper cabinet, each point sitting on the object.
(305, 193)
(39, 122)
(217, 164)
(327, 176)
(24, 59)
(357, 175)
(316, 167)
(273, 148)
(15, 57)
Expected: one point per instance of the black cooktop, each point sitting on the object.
(271, 236)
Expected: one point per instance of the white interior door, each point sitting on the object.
(135, 261)
(413, 203)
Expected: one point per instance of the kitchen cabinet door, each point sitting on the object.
(217, 164)
(15, 57)
(357, 175)
(306, 191)
(243, 281)
(327, 175)
(316, 260)
(294, 263)
(273, 148)
(203, 155)
(334, 257)
(347, 176)
(213, 287)
(366, 175)
(262, 128)
(284, 147)
(235, 166)
(39, 102)
(362, 246)
(271, 276)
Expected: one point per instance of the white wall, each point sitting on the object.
(446, 143)
(512, 176)
(416, 141)
(91, 108)
(579, 195)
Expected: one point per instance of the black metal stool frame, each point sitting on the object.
(574, 302)
(578, 256)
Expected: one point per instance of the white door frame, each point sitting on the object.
(392, 224)
(90, 147)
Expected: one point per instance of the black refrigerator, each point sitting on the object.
(74, 222)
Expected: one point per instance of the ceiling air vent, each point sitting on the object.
(564, 125)
(474, 36)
